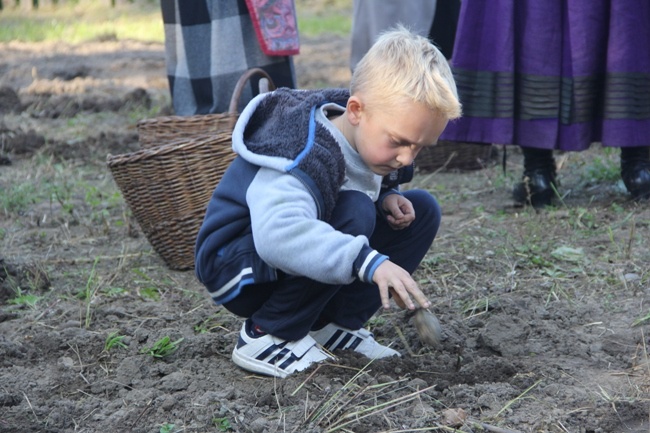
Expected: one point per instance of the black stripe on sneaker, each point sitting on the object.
(293, 358)
(278, 356)
(353, 345)
(349, 341)
(275, 353)
(270, 351)
(330, 343)
(344, 341)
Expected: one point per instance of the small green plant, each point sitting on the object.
(149, 292)
(148, 289)
(209, 324)
(162, 348)
(566, 253)
(617, 208)
(62, 194)
(114, 339)
(97, 199)
(167, 428)
(376, 321)
(603, 169)
(17, 197)
(581, 218)
(94, 196)
(115, 291)
(26, 299)
(222, 424)
(533, 253)
(89, 293)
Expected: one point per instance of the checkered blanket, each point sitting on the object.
(208, 46)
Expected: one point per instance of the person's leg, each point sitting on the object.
(538, 185)
(289, 307)
(354, 304)
(444, 25)
(635, 170)
(276, 342)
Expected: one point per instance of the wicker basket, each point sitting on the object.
(166, 129)
(454, 155)
(168, 183)
(168, 187)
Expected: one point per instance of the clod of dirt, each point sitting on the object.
(9, 101)
(454, 417)
(72, 73)
(20, 142)
(138, 97)
(25, 277)
(428, 327)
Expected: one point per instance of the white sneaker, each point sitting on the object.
(333, 337)
(273, 356)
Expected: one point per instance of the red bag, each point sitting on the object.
(275, 25)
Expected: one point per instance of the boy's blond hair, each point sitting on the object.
(401, 64)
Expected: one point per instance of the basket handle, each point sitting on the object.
(239, 87)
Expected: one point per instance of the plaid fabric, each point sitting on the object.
(208, 46)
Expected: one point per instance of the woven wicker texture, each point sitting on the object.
(167, 189)
(168, 183)
(165, 129)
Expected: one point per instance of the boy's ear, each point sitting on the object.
(354, 110)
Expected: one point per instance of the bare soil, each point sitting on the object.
(542, 312)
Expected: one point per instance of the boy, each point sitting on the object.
(306, 235)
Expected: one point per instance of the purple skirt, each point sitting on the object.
(553, 74)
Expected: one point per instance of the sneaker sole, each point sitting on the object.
(280, 360)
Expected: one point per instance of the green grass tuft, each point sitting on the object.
(82, 21)
(76, 22)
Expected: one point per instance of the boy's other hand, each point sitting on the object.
(392, 278)
(399, 210)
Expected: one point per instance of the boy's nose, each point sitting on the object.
(406, 157)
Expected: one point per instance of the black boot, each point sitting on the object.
(538, 185)
(635, 171)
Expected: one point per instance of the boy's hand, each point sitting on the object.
(399, 210)
(390, 277)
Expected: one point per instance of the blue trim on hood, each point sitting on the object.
(311, 137)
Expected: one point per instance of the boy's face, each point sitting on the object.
(388, 139)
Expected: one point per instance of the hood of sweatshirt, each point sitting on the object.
(279, 130)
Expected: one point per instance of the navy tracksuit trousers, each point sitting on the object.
(292, 306)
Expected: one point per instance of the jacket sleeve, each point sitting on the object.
(289, 236)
